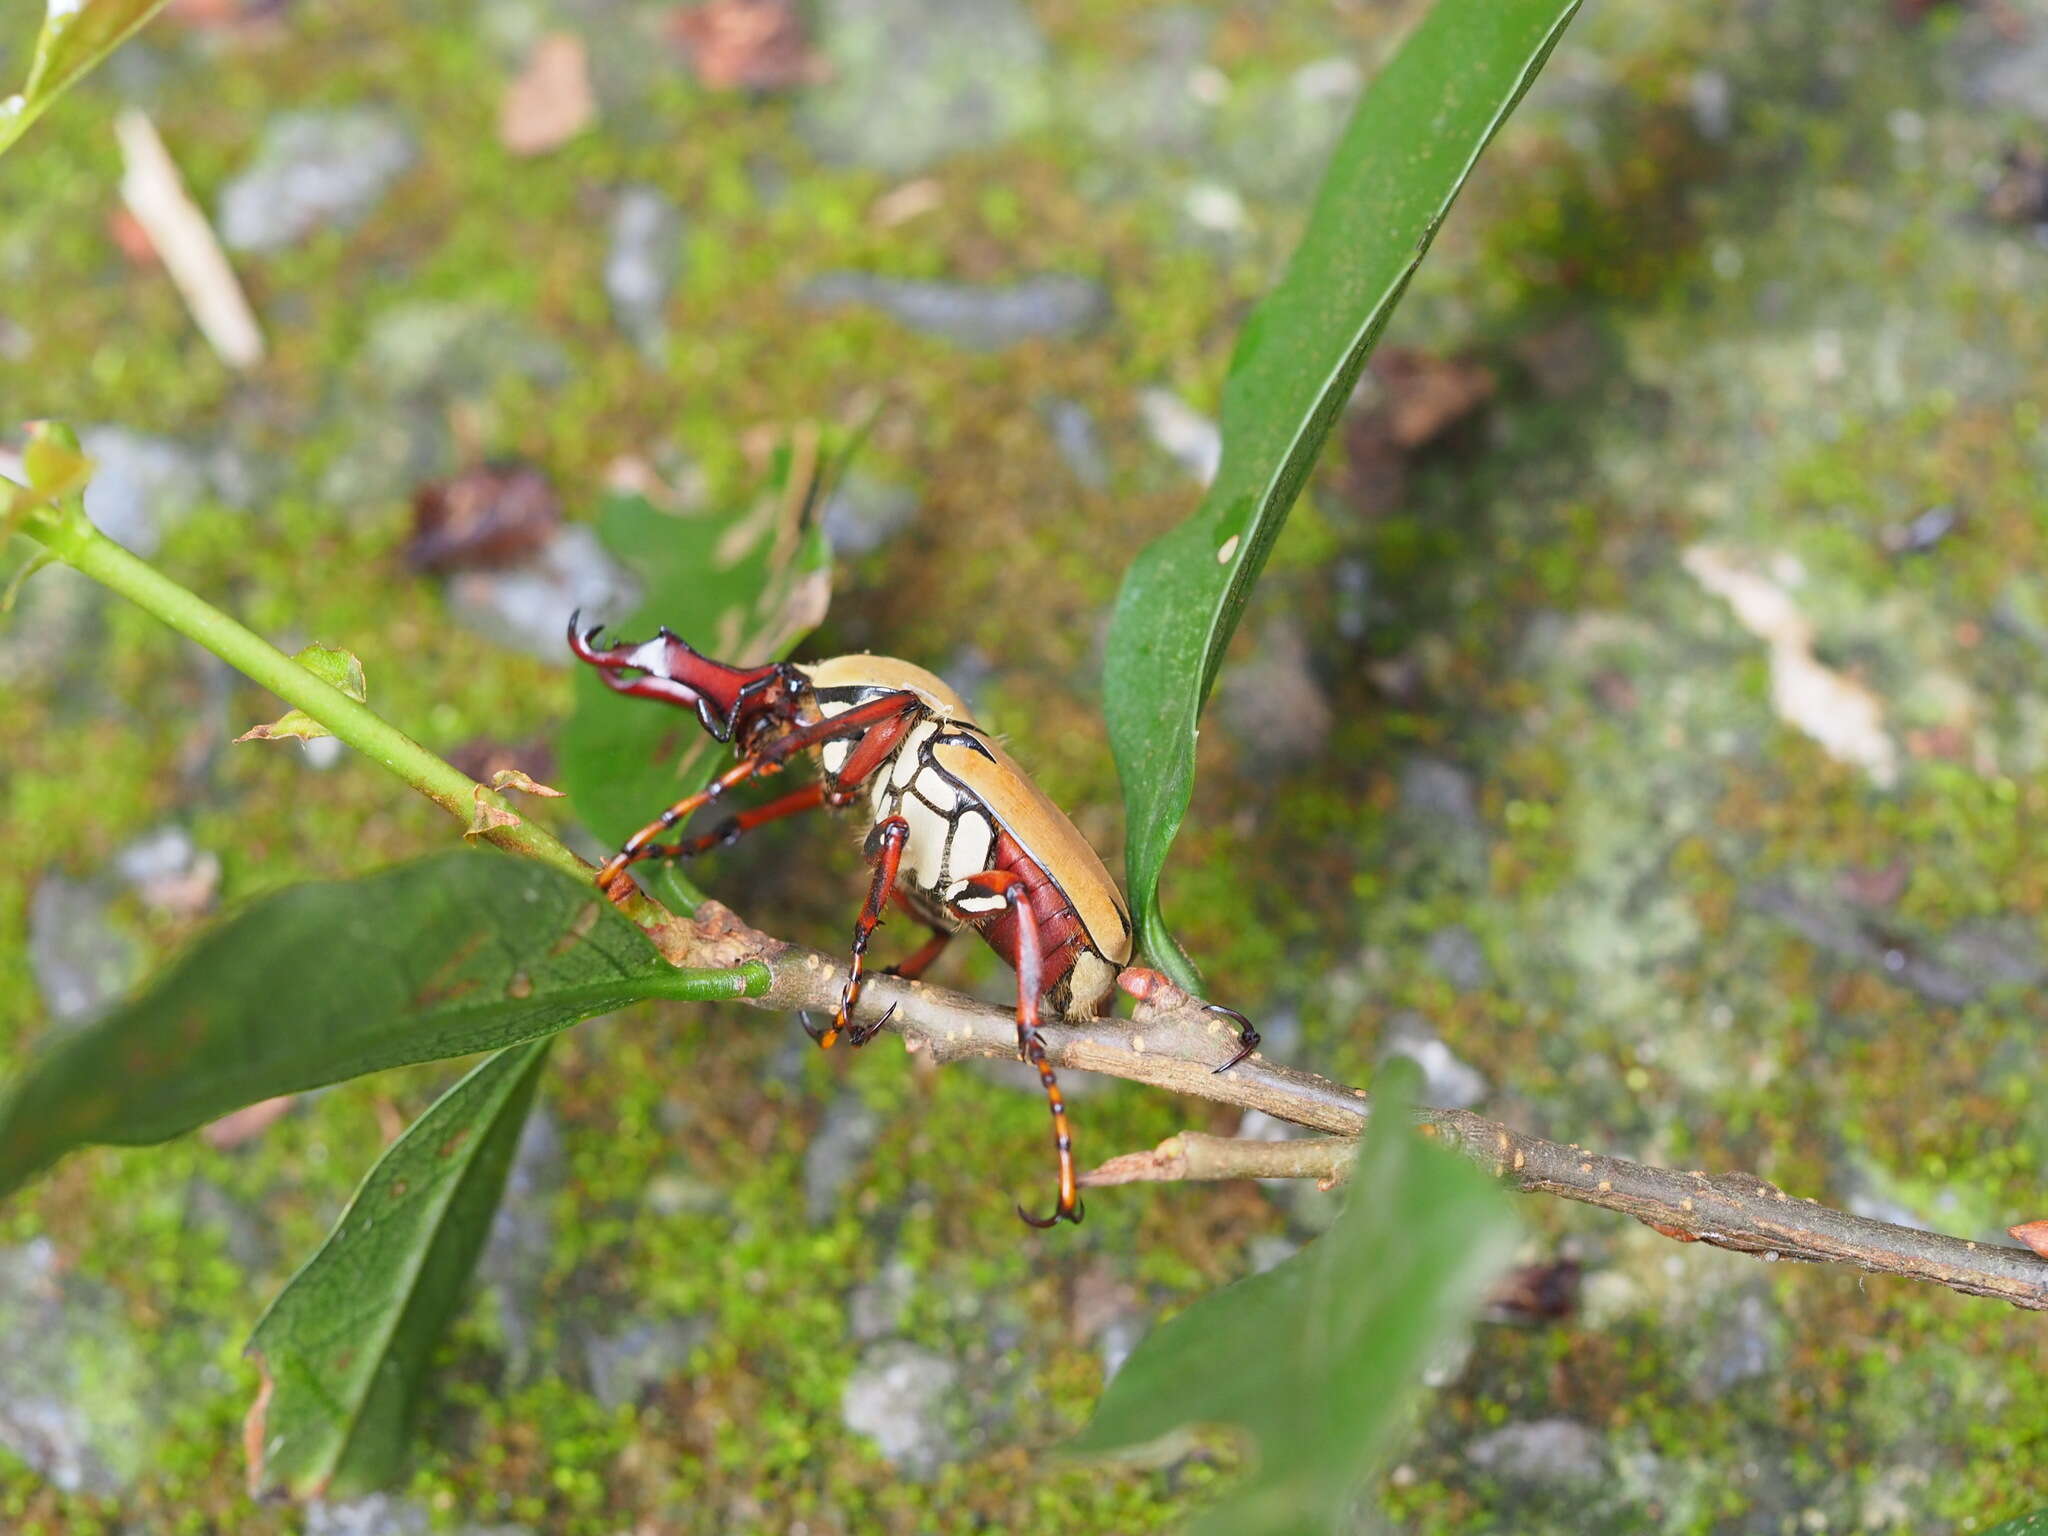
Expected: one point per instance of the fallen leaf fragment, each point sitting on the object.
(748, 45)
(245, 1124)
(2034, 1234)
(551, 100)
(487, 516)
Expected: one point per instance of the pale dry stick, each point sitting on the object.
(155, 194)
(1170, 1042)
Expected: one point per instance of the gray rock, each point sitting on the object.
(526, 607)
(1742, 1345)
(384, 453)
(1432, 787)
(1269, 1250)
(1447, 1081)
(169, 872)
(1079, 441)
(81, 962)
(374, 1514)
(1713, 104)
(1279, 139)
(436, 348)
(898, 1397)
(1189, 438)
(876, 1309)
(913, 81)
(624, 1362)
(1157, 107)
(834, 1155)
(1454, 953)
(863, 513)
(1551, 1453)
(1272, 701)
(641, 267)
(521, 1247)
(313, 170)
(982, 318)
(2014, 75)
(140, 485)
(74, 1380)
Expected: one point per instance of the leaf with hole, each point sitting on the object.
(451, 955)
(1318, 1360)
(345, 1347)
(1409, 148)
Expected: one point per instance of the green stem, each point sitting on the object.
(69, 536)
(692, 984)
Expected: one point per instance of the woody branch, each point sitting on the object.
(1170, 1042)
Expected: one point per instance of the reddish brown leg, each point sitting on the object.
(921, 962)
(730, 830)
(1030, 985)
(889, 708)
(890, 836)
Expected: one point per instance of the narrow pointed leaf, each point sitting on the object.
(741, 585)
(455, 954)
(1408, 150)
(1319, 1359)
(346, 1345)
(76, 35)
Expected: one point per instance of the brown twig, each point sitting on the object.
(1171, 1042)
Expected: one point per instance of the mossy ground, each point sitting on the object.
(1799, 334)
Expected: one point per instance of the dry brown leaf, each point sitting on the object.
(551, 101)
(748, 45)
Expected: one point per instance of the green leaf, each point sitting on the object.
(55, 468)
(2035, 1524)
(741, 585)
(76, 35)
(336, 667)
(346, 1345)
(1409, 147)
(1319, 1359)
(455, 954)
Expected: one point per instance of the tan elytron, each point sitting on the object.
(960, 791)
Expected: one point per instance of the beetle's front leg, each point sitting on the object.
(974, 898)
(886, 842)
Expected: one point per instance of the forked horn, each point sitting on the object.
(670, 670)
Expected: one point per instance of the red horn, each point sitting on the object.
(671, 671)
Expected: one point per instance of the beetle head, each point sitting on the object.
(742, 704)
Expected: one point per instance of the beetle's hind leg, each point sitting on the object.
(975, 897)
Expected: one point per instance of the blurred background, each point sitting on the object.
(1641, 723)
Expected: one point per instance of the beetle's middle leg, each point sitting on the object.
(973, 898)
(926, 953)
(887, 842)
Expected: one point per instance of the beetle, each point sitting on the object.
(958, 834)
